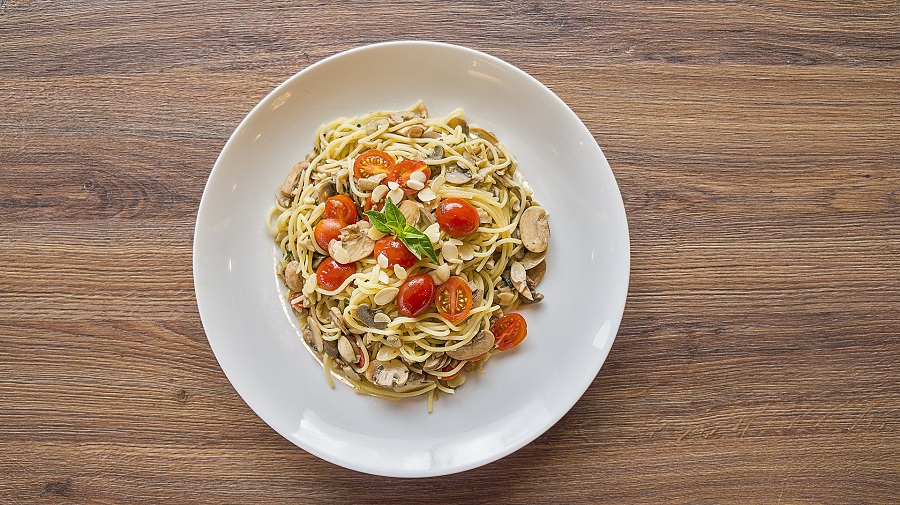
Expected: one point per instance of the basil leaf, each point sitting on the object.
(393, 214)
(418, 243)
(378, 221)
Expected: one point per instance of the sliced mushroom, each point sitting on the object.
(426, 218)
(421, 111)
(317, 260)
(313, 337)
(293, 177)
(367, 316)
(356, 241)
(437, 154)
(338, 319)
(331, 349)
(436, 361)
(457, 174)
(536, 273)
(534, 229)
(292, 277)
(371, 182)
(481, 133)
(415, 382)
(531, 260)
(482, 343)
(458, 121)
(387, 374)
(411, 211)
(346, 350)
(431, 134)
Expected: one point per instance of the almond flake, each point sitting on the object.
(427, 195)
(379, 192)
(418, 176)
(448, 250)
(383, 260)
(386, 296)
(393, 185)
(400, 272)
(443, 273)
(396, 195)
(414, 184)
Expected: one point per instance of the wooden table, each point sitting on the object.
(756, 145)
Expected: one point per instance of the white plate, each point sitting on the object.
(525, 391)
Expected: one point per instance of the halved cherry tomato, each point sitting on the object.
(396, 252)
(401, 172)
(457, 217)
(415, 295)
(372, 162)
(342, 208)
(326, 231)
(508, 331)
(332, 274)
(454, 299)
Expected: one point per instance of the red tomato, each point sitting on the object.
(396, 252)
(508, 331)
(457, 217)
(372, 162)
(454, 299)
(342, 208)
(415, 295)
(401, 172)
(332, 274)
(326, 231)
(369, 205)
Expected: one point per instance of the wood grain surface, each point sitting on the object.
(756, 145)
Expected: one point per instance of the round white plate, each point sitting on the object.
(525, 391)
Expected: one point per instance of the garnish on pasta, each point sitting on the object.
(407, 244)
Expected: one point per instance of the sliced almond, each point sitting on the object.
(337, 251)
(382, 260)
(466, 252)
(418, 176)
(387, 353)
(386, 295)
(505, 298)
(449, 251)
(345, 348)
(414, 184)
(383, 277)
(426, 195)
(433, 232)
(437, 183)
(382, 318)
(393, 184)
(379, 192)
(396, 195)
(400, 272)
(443, 273)
(374, 234)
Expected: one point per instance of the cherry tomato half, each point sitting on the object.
(457, 217)
(401, 172)
(332, 274)
(372, 162)
(326, 231)
(396, 252)
(508, 331)
(454, 299)
(415, 295)
(342, 208)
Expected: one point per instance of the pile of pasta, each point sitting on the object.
(407, 244)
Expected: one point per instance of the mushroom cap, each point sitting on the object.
(482, 343)
(356, 241)
(534, 230)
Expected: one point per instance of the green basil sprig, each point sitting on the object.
(393, 221)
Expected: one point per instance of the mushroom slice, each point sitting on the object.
(415, 382)
(536, 273)
(346, 350)
(332, 350)
(387, 374)
(371, 182)
(482, 343)
(458, 121)
(431, 134)
(436, 362)
(411, 211)
(338, 319)
(293, 177)
(531, 260)
(481, 133)
(457, 174)
(437, 154)
(534, 229)
(292, 277)
(367, 316)
(313, 336)
(356, 241)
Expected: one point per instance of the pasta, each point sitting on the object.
(406, 244)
